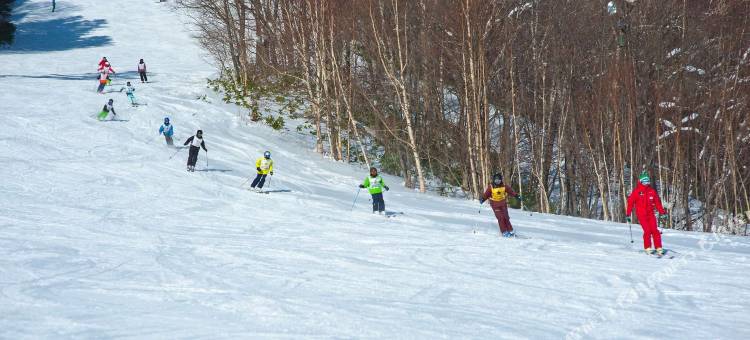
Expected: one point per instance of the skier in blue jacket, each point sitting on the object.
(167, 130)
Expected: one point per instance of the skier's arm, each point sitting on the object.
(659, 206)
(203, 144)
(189, 140)
(631, 202)
(270, 167)
(382, 182)
(113, 111)
(510, 191)
(161, 129)
(367, 182)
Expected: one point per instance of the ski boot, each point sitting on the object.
(660, 251)
(649, 251)
(506, 234)
(511, 234)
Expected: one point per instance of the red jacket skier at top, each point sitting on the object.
(645, 200)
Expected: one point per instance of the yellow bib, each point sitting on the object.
(498, 194)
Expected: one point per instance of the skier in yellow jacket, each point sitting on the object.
(264, 166)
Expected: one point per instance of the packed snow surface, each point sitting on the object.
(102, 235)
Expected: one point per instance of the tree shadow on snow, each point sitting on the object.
(59, 34)
(94, 77)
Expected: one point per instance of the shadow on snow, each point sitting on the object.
(58, 34)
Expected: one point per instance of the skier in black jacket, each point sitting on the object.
(196, 142)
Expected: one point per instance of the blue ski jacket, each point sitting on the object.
(167, 130)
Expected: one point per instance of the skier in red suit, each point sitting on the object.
(645, 200)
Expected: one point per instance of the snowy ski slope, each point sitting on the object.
(103, 236)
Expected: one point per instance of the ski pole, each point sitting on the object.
(206, 159)
(355, 199)
(630, 226)
(175, 153)
(246, 180)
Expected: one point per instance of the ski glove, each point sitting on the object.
(361, 186)
(481, 200)
(386, 188)
(258, 168)
(271, 173)
(627, 219)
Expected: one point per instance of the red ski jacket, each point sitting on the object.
(645, 199)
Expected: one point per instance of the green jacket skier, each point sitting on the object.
(375, 185)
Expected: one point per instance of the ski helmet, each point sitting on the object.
(267, 154)
(643, 178)
(497, 178)
(111, 101)
(128, 84)
(199, 133)
(166, 120)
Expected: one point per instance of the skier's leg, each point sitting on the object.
(656, 235)
(255, 181)
(499, 216)
(381, 204)
(169, 140)
(193, 156)
(262, 181)
(145, 77)
(506, 219)
(646, 234)
(142, 75)
(375, 202)
(101, 87)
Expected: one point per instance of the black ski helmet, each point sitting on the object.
(267, 155)
(497, 178)
(111, 101)
(200, 132)
(166, 120)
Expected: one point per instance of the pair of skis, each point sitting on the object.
(668, 254)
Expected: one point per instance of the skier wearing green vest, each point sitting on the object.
(375, 185)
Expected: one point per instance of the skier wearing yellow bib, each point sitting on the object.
(497, 192)
(375, 185)
(264, 166)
